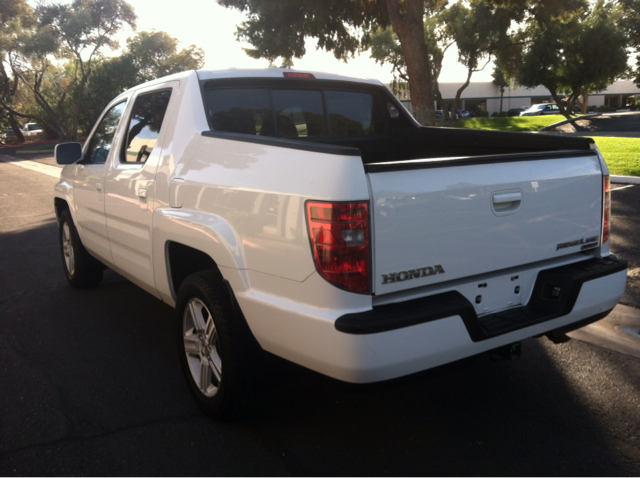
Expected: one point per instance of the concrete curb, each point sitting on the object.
(624, 179)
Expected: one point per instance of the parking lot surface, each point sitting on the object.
(91, 385)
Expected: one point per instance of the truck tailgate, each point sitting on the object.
(440, 220)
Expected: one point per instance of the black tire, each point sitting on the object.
(81, 268)
(218, 353)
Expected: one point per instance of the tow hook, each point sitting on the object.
(506, 352)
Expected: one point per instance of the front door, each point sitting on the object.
(88, 185)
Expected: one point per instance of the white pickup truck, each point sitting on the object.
(309, 216)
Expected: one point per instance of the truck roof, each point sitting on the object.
(253, 73)
(275, 73)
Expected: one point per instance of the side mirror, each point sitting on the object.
(68, 153)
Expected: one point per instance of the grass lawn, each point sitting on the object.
(510, 123)
(621, 154)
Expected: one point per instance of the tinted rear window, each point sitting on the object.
(299, 113)
(352, 114)
(294, 113)
(239, 110)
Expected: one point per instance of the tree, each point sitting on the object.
(150, 55)
(478, 30)
(571, 54)
(386, 48)
(76, 32)
(631, 23)
(155, 54)
(500, 81)
(278, 28)
(14, 16)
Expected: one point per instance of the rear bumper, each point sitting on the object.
(390, 341)
(554, 295)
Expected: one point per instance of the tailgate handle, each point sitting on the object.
(506, 203)
(507, 197)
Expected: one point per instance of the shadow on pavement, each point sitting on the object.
(92, 385)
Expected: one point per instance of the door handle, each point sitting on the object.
(142, 193)
(506, 203)
(507, 197)
(99, 186)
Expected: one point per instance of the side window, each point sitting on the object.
(239, 110)
(353, 114)
(144, 126)
(100, 143)
(299, 113)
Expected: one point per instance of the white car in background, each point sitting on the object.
(542, 109)
(32, 129)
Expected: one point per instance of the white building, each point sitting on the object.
(485, 96)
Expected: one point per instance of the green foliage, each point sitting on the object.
(150, 55)
(155, 54)
(74, 33)
(110, 77)
(278, 28)
(385, 48)
(574, 53)
(621, 154)
(630, 21)
(510, 123)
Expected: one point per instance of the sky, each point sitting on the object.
(211, 27)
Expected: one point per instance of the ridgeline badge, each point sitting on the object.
(586, 243)
(411, 274)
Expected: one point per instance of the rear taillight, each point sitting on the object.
(606, 209)
(339, 235)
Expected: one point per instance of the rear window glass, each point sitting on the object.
(293, 113)
(299, 113)
(352, 114)
(241, 110)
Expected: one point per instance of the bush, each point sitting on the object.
(503, 114)
(482, 114)
(494, 115)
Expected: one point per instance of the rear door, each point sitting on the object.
(130, 185)
(442, 220)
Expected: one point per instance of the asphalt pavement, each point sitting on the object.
(91, 385)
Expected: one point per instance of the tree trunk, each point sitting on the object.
(456, 101)
(584, 104)
(16, 128)
(558, 100)
(409, 26)
(501, 97)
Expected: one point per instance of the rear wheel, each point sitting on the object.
(217, 351)
(81, 268)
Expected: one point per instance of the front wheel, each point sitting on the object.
(81, 268)
(217, 351)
